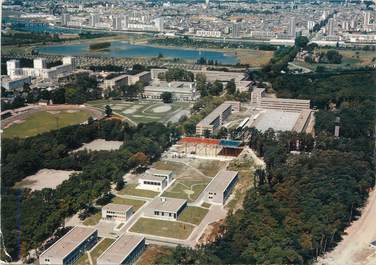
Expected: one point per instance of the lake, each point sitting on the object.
(121, 49)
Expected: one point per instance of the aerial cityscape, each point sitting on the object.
(188, 132)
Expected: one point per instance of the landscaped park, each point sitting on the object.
(145, 111)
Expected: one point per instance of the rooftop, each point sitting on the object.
(174, 86)
(152, 177)
(275, 119)
(197, 140)
(165, 204)
(69, 242)
(214, 114)
(221, 181)
(120, 249)
(117, 207)
(159, 172)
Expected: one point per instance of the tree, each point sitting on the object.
(231, 87)
(119, 184)
(166, 97)
(301, 41)
(334, 57)
(108, 111)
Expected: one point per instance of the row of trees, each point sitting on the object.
(29, 218)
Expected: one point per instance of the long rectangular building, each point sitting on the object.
(217, 117)
(125, 250)
(68, 249)
(219, 189)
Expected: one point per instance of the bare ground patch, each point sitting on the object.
(100, 145)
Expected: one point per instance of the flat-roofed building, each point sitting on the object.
(117, 212)
(165, 208)
(125, 250)
(219, 189)
(181, 91)
(155, 180)
(145, 77)
(69, 248)
(15, 83)
(150, 182)
(216, 118)
(116, 82)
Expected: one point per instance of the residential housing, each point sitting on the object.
(68, 249)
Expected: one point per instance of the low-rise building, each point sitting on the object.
(219, 189)
(116, 82)
(155, 180)
(68, 249)
(165, 208)
(15, 83)
(216, 118)
(145, 77)
(117, 212)
(125, 250)
(181, 91)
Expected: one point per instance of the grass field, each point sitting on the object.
(350, 58)
(186, 189)
(254, 58)
(151, 253)
(193, 215)
(162, 228)
(205, 205)
(95, 253)
(145, 111)
(135, 203)
(93, 219)
(130, 189)
(100, 248)
(44, 121)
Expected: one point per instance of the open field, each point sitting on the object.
(45, 121)
(145, 111)
(44, 178)
(130, 189)
(100, 145)
(189, 181)
(254, 58)
(151, 253)
(193, 215)
(162, 228)
(208, 167)
(350, 59)
(93, 219)
(135, 203)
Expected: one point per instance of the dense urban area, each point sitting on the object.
(188, 132)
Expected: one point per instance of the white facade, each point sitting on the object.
(117, 212)
(208, 33)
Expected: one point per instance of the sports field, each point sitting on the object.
(45, 121)
(145, 111)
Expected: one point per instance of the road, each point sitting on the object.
(354, 248)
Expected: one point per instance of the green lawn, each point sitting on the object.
(205, 205)
(93, 219)
(142, 111)
(186, 189)
(130, 189)
(100, 248)
(193, 215)
(44, 121)
(135, 203)
(162, 228)
(83, 260)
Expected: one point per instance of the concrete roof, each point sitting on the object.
(68, 242)
(174, 86)
(151, 177)
(117, 207)
(165, 204)
(221, 180)
(120, 249)
(214, 114)
(155, 171)
(276, 119)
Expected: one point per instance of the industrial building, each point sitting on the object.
(125, 250)
(219, 189)
(117, 212)
(216, 118)
(165, 208)
(181, 91)
(68, 249)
